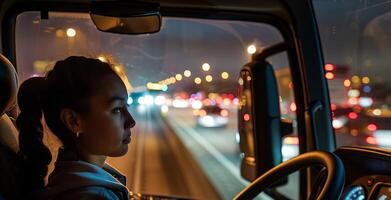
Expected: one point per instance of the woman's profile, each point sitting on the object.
(83, 102)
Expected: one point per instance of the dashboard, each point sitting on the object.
(368, 173)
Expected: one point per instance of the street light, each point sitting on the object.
(209, 78)
(178, 77)
(187, 73)
(205, 67)
(197, 80)
(71, 32)
(251, 49)
(224, 75)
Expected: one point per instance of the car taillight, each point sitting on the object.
(353, 115)
(371, 140)
(372, 127)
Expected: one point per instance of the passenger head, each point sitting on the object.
(83, 102)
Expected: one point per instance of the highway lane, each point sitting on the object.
(157, 162)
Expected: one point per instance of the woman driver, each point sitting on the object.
(83, 102)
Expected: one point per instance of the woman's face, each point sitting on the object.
(105, 128)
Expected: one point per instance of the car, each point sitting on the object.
(278, 58)
(211, 116)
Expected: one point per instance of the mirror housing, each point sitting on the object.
(260, 124)
(126, 17)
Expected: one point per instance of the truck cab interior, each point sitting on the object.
(303, 85)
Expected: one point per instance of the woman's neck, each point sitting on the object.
(98, 160)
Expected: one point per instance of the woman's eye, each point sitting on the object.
(117, 110)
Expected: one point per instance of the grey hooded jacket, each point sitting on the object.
(84, 181)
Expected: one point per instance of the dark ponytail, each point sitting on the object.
(35, 155)
(70, 84)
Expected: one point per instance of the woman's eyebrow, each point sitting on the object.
(116, 98)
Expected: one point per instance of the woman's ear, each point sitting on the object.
(71, 120)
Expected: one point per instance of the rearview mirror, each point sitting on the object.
(131, 17)
(260, 125)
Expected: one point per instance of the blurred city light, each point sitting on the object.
(129, 101)
(356, 79)
(205, 67)
(377, 112)
(224, 75)
(372, 127)
(367, 89)
(180, 103)
(197, 80)
(365, 80)
(164, 88)
(240, 81)
(160, 100)
(365, 102)
(237, 137)
(148, 100)
(347, 83)
(164, 109)
(71, 32)
(178, 77)
(251, 49)
(293, 107)
(339, 122)
(353, 115)
(208, 78)
(353, 101)
(246, 117)
(187, 73)
(197, 104)
(141, 100)
(329, 67)
(330, 75)
(354, 93)
(172, 80)
(371, 140)
(224, 113)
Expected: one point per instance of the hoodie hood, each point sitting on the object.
(70, 175)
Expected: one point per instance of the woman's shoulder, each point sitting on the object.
(89, 193)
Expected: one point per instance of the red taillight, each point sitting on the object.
(246, 117)
(372, 127)
(371, 140)
(353, 115)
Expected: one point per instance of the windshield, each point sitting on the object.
(356, 45)
(182, 85)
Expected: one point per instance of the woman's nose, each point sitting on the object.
(129, 123)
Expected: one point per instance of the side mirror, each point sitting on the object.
(260, 125)
(126, 17)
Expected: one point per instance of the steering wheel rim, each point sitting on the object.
(332, 188)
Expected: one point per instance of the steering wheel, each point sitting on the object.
(331, 189)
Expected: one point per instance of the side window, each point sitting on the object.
(290, 143)
(356, 46)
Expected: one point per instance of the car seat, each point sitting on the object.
(9, 159)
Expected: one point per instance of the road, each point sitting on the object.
(169, 155)
(157, 163)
